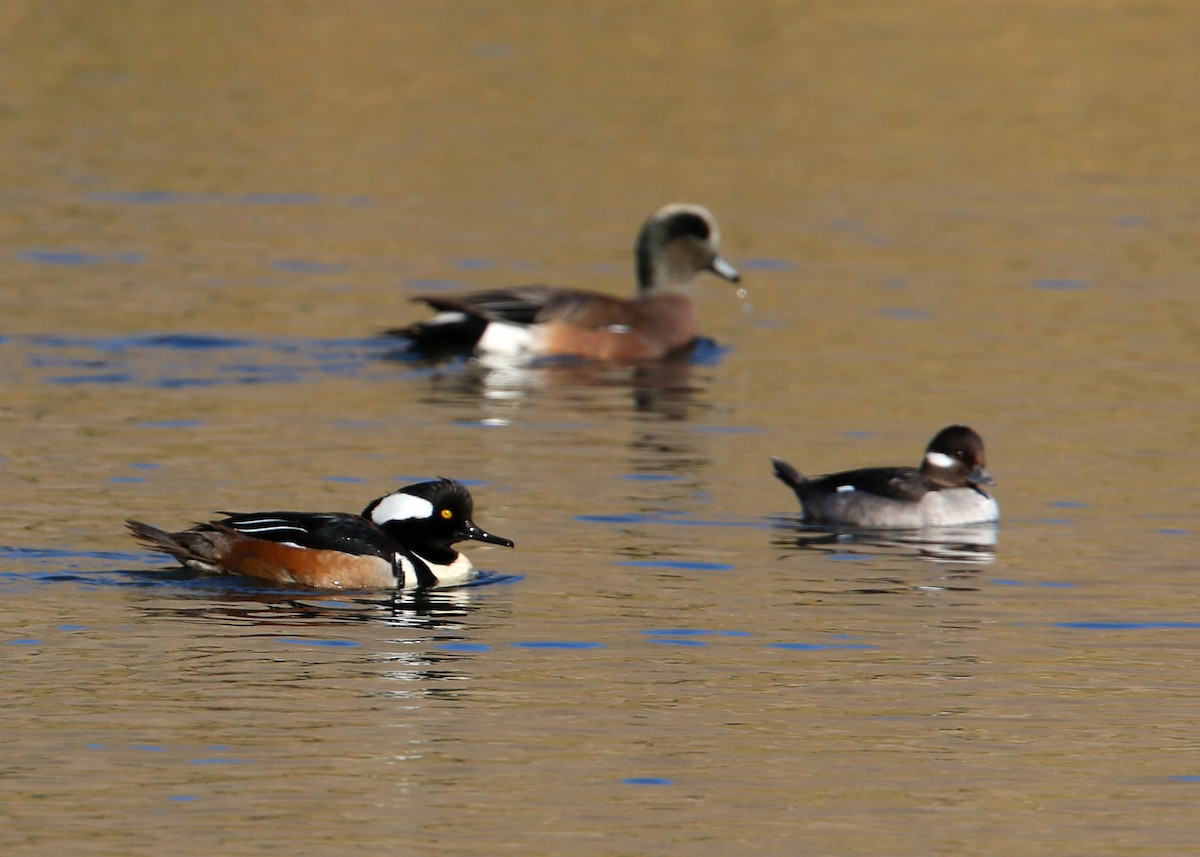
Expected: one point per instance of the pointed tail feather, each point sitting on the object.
(191, 548)
(788, 475)
(153, 538)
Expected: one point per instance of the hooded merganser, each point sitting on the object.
(400, 541)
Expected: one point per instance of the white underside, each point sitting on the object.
(954, 507)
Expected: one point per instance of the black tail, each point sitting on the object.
(455, 330)
(788, 475)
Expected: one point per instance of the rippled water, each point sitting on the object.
(940, 215)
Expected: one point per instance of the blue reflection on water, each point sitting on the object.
(1125, 626)
(304, 266)
(196, 360)
(817, 647)
(672, 518)
(686, 565)
(1054, 284)
(71, 258)
(307, 641)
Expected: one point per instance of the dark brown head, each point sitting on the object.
(954, 459)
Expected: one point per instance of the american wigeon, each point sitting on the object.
(676, 243)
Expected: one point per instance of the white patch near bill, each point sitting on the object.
(940, 459)
(401, 507)
(846, 489)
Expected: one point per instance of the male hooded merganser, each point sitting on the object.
(676, 243)
(401, 541)
(943, 492)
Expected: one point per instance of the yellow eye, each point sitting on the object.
(446, 513)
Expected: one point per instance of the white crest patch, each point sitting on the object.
(940, 459)
(846, 489)
(401, 507)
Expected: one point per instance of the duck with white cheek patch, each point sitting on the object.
(945, 491)
(403, 540)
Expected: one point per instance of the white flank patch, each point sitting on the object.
(618, 328)
(512, 340)
(845, 489)
(939, 459)
(401, 507)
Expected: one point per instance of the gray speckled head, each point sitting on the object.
(679, 241)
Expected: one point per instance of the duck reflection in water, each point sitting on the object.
(972, 545)
(421, 640)
(239, 602)
(664, 388)
(645, 403)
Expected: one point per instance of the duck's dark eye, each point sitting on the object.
(447, 514)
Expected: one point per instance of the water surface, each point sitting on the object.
(941, 215)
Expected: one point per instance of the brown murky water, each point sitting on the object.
(943, 212)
